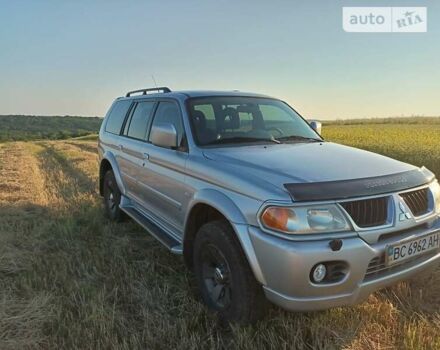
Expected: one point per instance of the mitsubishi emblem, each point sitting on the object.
(404, 215)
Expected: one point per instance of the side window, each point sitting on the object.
(139, 121)
(117, 116)
(168, 112)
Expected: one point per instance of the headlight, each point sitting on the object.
(435, 188)
(304, 220)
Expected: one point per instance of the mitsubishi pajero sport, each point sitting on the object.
(259, 205)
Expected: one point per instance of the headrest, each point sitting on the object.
(199, 119)
(230, 118)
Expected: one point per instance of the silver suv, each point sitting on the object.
(259, 205)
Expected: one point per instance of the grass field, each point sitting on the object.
(70, 279)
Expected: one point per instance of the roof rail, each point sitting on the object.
(162, 89)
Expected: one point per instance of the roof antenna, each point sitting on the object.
(154, 80)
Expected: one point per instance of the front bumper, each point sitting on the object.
(283, 267)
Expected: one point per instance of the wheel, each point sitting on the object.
(224, 277)
(112, 197)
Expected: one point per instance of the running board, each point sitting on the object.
(161, 235)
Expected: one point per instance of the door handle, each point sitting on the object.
(146, 156)
(120, 147)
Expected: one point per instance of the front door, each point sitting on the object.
(163, 179)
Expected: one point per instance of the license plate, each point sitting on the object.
(399, 252)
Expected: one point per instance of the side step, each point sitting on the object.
(162, 236)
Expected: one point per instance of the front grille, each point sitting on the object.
(417, 201)
(368, 212)
(377, 267)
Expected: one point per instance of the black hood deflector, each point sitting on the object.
(343, 189)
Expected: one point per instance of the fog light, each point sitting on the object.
(319, 272)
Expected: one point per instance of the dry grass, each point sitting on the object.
(70, 279)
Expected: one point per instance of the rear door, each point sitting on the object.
(111, 137)
(163, 179)
(134, 143)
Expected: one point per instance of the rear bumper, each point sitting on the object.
(283, 268)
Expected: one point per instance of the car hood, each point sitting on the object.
(304, 162)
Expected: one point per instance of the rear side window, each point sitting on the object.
(117, 116)
(168, 112)
(140, 120)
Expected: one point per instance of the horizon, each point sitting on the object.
(327, 120)
(76, 58)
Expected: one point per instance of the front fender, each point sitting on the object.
(218, 201)
(234, 215)
(110, 157)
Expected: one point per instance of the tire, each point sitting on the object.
(224, 278)
(112, 197)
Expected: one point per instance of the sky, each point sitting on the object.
(76, 57)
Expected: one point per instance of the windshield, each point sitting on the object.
(227, 120)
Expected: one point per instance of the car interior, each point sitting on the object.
(231, 121)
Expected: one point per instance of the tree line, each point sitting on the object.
(27, 127)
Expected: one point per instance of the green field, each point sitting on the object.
(418, 144)
(69, 279)
(25, 127)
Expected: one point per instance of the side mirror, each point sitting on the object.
(316, 125)
(164, 135)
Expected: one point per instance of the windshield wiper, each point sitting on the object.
(240, 139)
(300, 138)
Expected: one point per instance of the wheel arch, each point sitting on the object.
(108, 162)
(207, 205)
(212, 205)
